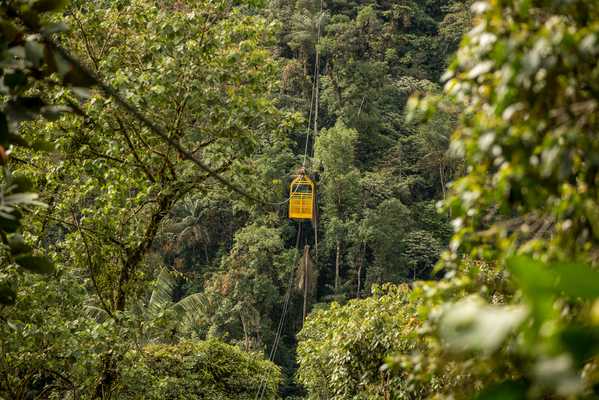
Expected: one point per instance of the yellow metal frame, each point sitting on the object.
(301, 204)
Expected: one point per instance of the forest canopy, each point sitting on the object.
(147, 151)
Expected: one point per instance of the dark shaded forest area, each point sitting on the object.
(147, 150)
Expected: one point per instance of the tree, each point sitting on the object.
(245, 293)
(390, 222)
(334, 150)
(342, 347)
(28, 58)
(111, 178)
(208, 370)
(527, 131)
(528, 137)
(527, 134)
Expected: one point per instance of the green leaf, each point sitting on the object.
(538, 285)
(18, 246)
(582, 342)
(7, 293)
(576, 280)
(58, 63)
(532, 276)
(513, 390)
(473, 325)
(34, 51)
(36, 264)
(10, 222)
(48, 5)
(23, 198)
(55, 28)
(21, 183)
(570, 279)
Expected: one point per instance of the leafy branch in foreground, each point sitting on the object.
(26, 60)
(552, 335)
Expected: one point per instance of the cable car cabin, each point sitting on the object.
(301, 199)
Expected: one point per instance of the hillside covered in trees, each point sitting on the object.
(147, 151)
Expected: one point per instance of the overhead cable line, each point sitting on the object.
(273, 351)
(317, 73)
(314, 83)
(313, 106)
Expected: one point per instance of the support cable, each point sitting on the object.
(317, 75)
(273, 351)
(310, 117)
(313, 103)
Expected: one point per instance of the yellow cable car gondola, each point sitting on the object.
(301, 198)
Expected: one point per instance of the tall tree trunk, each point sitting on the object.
(306, 282)
(135, 256)
(133, 259)
(109, 376)
(360, 265)
(246, 337)
(442, 178)
(337, 265)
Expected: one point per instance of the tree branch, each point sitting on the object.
(135, 155)
(91, 269)
(86, 42)
(159, 131)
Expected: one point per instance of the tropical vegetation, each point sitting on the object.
(147, 148)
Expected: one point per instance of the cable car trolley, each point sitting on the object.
(302, 198)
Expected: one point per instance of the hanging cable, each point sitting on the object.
(313, 106)
(310, 117)
(275, 345)
(317, 75)
(317, 86)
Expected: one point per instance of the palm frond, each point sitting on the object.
(193, 304)
(162, 295)
(192, 308)
(98, 314)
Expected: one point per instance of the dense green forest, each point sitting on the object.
(147, 150)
